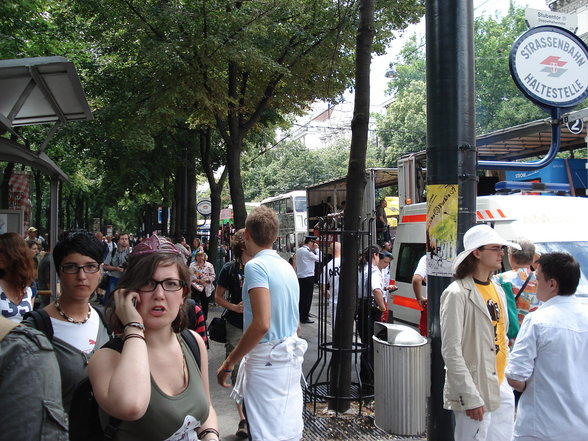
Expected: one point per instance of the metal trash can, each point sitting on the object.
(401, 379)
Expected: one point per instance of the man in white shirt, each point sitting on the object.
(306, 257)
(384, 267)
(548, 361)
(419, 280)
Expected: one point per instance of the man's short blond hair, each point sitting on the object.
(262, 225)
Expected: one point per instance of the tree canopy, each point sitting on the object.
(499, 104)
(160, 74)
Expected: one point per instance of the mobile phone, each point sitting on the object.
(135, 302)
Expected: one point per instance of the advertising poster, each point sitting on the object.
(442, 203)
(19, 194)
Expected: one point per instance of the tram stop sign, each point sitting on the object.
(549, 65)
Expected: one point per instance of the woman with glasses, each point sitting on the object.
(17, 273)
(77, 328)
(148, 377)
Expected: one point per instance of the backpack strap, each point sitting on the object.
(100, 310)
(522, 290)
(190, 340)
(39, 319)
(6, 326)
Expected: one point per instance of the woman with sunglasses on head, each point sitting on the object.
(148, 376)
(77, 328)
(17, 273)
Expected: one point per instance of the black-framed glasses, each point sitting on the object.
(504, 249)
(72, 268)
(167, 285)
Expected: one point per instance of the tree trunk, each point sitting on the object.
(191, 190)
(79, 211)
(216, 189)
(343, 333)
(67, 213)
(177, 213)
(236, 184)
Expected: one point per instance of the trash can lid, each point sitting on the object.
(398, 335)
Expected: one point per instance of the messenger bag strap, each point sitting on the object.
(524, 286)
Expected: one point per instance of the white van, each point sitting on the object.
(552, 223)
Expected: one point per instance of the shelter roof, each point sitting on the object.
(38, 91)
(530, 140)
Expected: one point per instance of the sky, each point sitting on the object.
(380, 64)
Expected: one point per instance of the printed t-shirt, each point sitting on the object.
(16, 312)
(492, 301)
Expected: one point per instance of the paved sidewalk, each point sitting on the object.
(347, 428)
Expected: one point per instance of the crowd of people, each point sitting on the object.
(131, 348)
(141, 347)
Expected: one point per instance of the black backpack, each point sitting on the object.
(84, 419)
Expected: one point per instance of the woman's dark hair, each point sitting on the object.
(467, 267)
(140, 270)
(78, 241)
(367, 254)
(21, 268)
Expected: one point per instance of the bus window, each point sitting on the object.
(289, 206)
(300, 204)
(408, 258)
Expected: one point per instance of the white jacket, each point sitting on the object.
(468, 347)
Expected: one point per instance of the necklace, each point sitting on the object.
(68, 318)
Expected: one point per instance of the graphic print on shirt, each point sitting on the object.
(10, 309)
(188, 430)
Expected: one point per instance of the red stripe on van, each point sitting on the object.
(407, 302)
(479, 215)
(489, 213)
(414, 218)
(501, 213)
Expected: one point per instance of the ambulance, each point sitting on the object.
(552, 223)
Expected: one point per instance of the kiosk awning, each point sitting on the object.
(38, 91)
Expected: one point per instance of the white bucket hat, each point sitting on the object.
(477, 237)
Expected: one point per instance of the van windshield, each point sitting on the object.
(580, 252)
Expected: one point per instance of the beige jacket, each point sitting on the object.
(468, 349)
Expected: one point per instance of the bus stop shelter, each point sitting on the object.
(43, 90)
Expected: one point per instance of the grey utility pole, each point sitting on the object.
(451, 158)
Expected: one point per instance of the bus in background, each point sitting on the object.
(291, 210)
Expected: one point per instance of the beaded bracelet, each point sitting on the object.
(207, 431)
(137, 325)
(128, 336)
